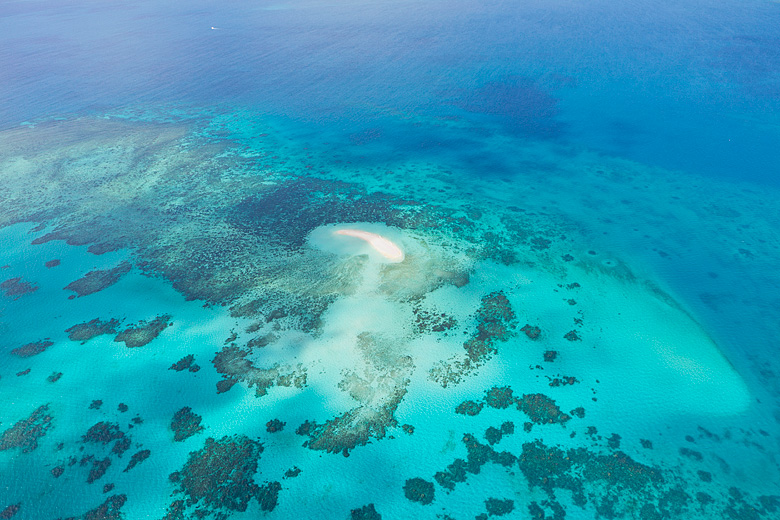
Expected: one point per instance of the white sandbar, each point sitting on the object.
(384, 246)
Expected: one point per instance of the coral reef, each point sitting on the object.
(136, 459)
(10, 511)
(219, 478)
(185, 424)
(25, 433)
(93, 281)
(469, 408)
(144, 332)
(532, 331)
(103, 433)
(274, 425)
(495, 323)
(499, 397)
(32, 349)
(426, 321)
(86, 331)
(379, 390)
(419, 490)
(232, 363)
(185, 363)
(111, 509)
(99, 468)
(15, 288)
(498, 507)
(366, 512)
(494, 435)
(541, 409)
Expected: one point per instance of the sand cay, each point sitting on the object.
(380, 242)
(382, 245)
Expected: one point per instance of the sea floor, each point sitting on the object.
(183, 335)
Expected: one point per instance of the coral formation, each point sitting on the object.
(232, 363)
(495, 323)
(469, 408)
(136, 459)
(86, 331)
(532, 331)
(185, 363)
(219, 478)
(93, 281)
(99, 468)
(15, 288)
(367, 512)
(32, 349)
(274, 425)
(144, 332)
(185, 424)
(103, 433)
(25, 433)
(111, 509)
(541, 409)
(498, 507)
(10, 511)
(419, 490)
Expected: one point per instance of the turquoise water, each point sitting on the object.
(389, 260)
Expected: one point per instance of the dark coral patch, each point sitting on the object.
(185, 363)
(469, 408)
(185, 424)
(16, 288)
(495, 323)
(10, 511)
(427, 322)
(32, 349)
(232, 363)
(274, 425)
(144, 332)
(220, 477)
(111, 509)
(99, 468)
(52, 263)
(103, 433)
(86, 331)
(292, 472)
(419, 490)
(136, 459)
(455, 473)
(365, 513)
(499, 397)
(355, 427)
(532, 331)
(541, 409)
(98, 280)
(25, 433)
(498, 507)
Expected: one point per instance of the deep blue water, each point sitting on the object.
(687, 85)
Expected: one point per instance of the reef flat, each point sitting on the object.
(208, 345)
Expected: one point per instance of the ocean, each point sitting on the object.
(389, 259)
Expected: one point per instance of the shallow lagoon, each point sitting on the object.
(577, 329)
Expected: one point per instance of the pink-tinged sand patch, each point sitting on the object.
(382, 245)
